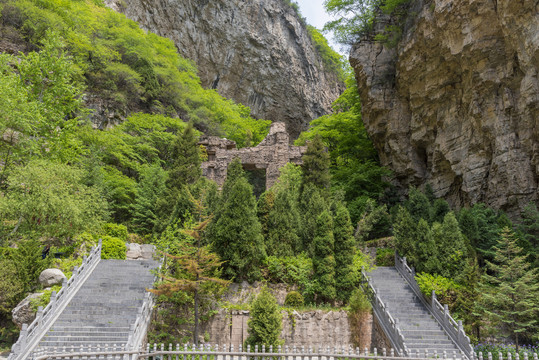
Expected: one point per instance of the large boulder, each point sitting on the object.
(49, 277)
(23, 312)
(133, 251)
(146, 251)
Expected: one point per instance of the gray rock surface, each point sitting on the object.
(139, 252)
(49, 277)
(270, 155)
(255, 52)
(23, 313)
(456, 103)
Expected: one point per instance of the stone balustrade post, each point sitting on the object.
(23, 336)
(433, 302)
(75, 271)
(460, 331)
(404, 262)
(53, 302)
(39, 317)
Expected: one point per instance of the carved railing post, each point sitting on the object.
(433, 300)
(460, 331)
(23, 335)
(39, 317)
(53, 302)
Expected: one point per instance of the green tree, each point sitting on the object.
(451, 246)
(283, 225)
(528, 231)
(324, 259)
(150, 188)
(511, 296)
(311, 205)
(315, 167)
(48, 199)
(418, 205)
(265, 321)
(344, 252)
(426, 257)
(186, 159)
(354, 18)
(236, 233)
(264, 206)
(28, 263)
(404, 229)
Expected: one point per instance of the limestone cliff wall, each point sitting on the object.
(256, 52)
(456, 103)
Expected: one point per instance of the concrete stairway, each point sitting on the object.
(104, 308)
(419, 328)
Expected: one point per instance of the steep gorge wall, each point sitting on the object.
(456, 103)
(255, 52)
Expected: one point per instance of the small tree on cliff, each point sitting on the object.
(324, 259)
(265, 321)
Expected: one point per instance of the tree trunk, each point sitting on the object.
(195, 334)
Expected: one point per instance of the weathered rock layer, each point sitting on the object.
(456, 103)
(256, 52)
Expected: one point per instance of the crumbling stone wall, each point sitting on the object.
(271, 154)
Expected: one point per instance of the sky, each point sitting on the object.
(316, 16)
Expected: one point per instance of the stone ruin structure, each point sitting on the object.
(270, 155)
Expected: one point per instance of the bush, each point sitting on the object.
(113, 248)
(292, 270)
(360, 308)
(385, 257)
(45, 298)
(446, 289)
(116, 230)
(293, 299)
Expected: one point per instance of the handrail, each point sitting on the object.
(31, 334)
(227, 351)
(385, 319)
(139, 328)
(454, 329)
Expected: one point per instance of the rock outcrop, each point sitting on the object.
(23, 312)
(258, 53)
(456, 103)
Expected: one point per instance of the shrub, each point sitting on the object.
(293, 270)
(113, 248)
(45, 298)
(446, 289)
(358, 313)
(385, 257)
(265, 322)
(116, 230)
(293, 299)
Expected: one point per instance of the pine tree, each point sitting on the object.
(404, 229)
(344, 252)
(425, 256)
(186, 160)
(451, 247)
(311, 205)
(265, 321)
(283, 224)
(528, 231)
(418, 205)
(324, 259)
(315, 166)
(264, 206)
(150, 188)
(511, 294)
(236, 233)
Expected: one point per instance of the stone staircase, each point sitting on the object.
(419, 328)
(104, 308)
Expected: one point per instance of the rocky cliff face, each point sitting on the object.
(256, 52)
(456, 103)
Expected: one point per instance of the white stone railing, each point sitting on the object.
(440, 312)
(138, 331)
(388, 323)
(227, 352)
(31, 334)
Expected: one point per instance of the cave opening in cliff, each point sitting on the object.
(256, 177)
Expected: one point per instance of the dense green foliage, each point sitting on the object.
(113, 248)
(332, 59)
(294, 299)
(324, 259)
(129, 68)
(264, 322)
(355, 19)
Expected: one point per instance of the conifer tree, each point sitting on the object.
(265, 321)
(312, 204)
(425, 256)
(528, 231)
(236, 233)
(324, 259)
(511, 294)
(150, 188)
(344, 252)
(418, 205)
(264, 206)
(404, 229)
(451, 247)
(315, 166)
(186, 160)
(283, 224)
